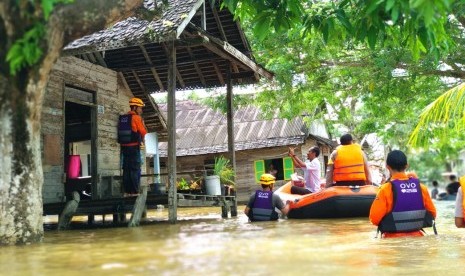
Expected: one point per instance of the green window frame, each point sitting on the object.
(288, 168)
(259, 166)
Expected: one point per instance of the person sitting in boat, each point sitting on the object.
(403, 205)
(347, 165)
(312, 171)
(453, 187)
(262, 203)
(460, 204)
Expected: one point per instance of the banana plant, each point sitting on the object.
(224, 170)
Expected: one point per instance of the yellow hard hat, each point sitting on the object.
(136, 102)
(267, 179)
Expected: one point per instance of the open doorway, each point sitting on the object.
(79, 153)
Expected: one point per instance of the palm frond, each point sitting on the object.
(446, 112)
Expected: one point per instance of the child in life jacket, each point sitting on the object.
(403, 206)
(262, 203)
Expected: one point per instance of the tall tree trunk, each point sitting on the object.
(21, 96)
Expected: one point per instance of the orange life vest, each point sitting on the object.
(349, 163)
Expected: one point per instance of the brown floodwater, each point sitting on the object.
(202, 243)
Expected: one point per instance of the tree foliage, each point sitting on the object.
(26, 49)
(32, 35)
(421, 22)
(443, 119)
(372, 65)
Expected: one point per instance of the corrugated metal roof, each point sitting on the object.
(136, 31)
(201, 130)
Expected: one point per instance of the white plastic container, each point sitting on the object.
(212, 185)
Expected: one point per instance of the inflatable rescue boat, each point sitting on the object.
(333, 202)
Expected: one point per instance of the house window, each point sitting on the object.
(281, 168)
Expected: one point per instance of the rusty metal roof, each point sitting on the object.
(138, 50)
(167, 22)
(201, 130)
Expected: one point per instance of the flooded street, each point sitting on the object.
(202, 243)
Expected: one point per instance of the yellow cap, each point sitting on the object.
(267, 179)
(136, 102)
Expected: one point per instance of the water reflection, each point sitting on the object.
(203, 243)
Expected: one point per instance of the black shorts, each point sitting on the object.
(299, 190)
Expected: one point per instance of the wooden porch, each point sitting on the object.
(136, 206)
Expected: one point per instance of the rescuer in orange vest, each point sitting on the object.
(131, 133)
(402, 206)
(347, 165)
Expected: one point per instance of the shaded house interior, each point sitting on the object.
(79, 142)
(208, 48)
(78, 138)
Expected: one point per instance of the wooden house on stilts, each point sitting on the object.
(186, 44)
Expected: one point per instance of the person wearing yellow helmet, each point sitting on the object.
(131, 133)
(136, 102)
(262, 203)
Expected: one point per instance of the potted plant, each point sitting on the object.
(225, 171)
(196, 186)
(182, 186)
(186, 187)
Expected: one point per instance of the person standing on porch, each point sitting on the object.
(131, 133)
(312, 171)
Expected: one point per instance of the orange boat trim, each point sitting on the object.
(285, 193)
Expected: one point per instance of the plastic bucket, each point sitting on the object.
(212, 185)
(74, 166)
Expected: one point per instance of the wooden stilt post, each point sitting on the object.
(122, 216)
(230, 117)
(139, 208)
(115, 218)
(172, 197)
(90, 219)
(68, 212)
(234, 207)
(225, 207)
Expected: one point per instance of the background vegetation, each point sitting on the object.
(365, 67)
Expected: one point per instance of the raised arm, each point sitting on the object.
(297, 162)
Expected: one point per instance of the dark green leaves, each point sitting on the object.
(26, 51)
(366, 21)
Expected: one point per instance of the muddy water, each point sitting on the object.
(202, 243)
